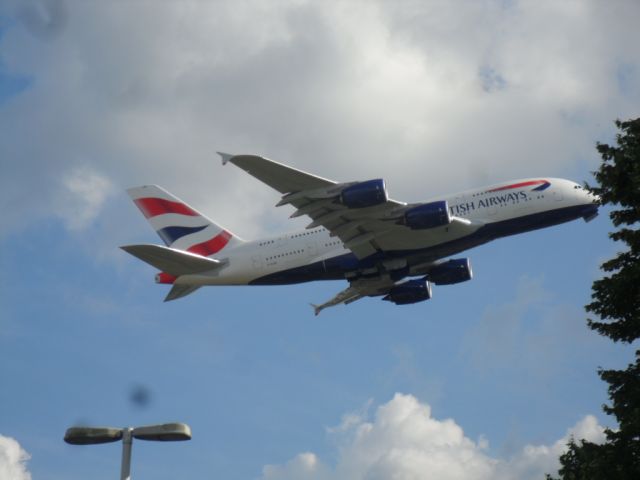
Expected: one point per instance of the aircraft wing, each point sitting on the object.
(357, 289)
(364, 231)
(278, 176)
(346, 296)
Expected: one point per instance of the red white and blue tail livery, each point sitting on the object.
(188, 235)
(381, 247)
(178, 225)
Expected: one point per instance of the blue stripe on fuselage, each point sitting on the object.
(544, 186)
(335, 268)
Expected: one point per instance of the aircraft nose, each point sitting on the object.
(592, 197)
(585, 196)
(591, 204)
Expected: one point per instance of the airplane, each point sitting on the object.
(381, 247)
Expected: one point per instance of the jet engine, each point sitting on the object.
(429, 215)
(411, 291)
(452, 271)
(364, 194)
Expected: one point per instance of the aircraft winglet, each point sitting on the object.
(225, 157)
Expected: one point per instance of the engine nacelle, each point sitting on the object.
(429, 215)
(412, 291)
(450, 272)
(364, 194)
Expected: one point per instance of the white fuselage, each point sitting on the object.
(498, 210)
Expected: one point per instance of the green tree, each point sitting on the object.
(616, 300)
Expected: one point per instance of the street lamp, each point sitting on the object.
(167, 432)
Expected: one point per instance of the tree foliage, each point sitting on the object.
(617, 297)
(616, 300)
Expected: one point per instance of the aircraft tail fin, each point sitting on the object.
(180, 226)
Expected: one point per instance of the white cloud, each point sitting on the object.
(302, 466)
(535, 460)
(82, 197)
(13, 460)
(146, 93)
(404, 441)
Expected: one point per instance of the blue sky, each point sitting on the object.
(486, 380)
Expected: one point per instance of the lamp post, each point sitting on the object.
(167, 432)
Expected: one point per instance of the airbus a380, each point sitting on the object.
(381, 247)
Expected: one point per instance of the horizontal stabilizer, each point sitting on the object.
(179, 291)
(169, 260)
